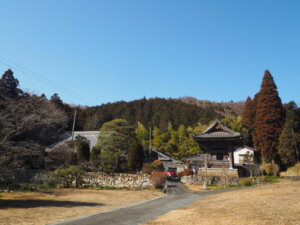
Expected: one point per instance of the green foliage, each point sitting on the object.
(289, 140)
(70, 177)
(178, 143)
(109, 161)
(82, 149)
(94, 156)
(135, 156)
(114, 141)
(270, 168)
(157, 165)
(120, 126)
(235, 124)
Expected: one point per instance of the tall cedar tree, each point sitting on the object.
(269, 118)
(9, 85)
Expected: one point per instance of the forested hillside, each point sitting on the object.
(157, 112)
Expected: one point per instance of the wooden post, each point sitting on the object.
(205, 173)
(230, 160)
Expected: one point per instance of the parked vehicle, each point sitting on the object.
(171, 173)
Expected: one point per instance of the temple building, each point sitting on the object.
(222, 148)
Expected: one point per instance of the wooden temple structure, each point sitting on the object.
(219, 143)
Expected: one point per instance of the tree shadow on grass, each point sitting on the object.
(43, 203)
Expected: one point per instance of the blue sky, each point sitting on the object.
(93, 52)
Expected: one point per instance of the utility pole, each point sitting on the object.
(150, 136)
(73, 127)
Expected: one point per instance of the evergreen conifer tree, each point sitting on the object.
(269, 118)
(9, 85)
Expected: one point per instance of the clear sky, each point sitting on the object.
(93, 52)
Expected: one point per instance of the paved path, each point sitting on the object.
(177, 196)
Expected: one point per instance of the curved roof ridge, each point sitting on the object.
(224, 128)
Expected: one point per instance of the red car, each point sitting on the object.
(171, 173)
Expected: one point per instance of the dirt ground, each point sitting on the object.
(274, 204)
(62, 204)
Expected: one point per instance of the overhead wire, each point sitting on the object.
(38, 77)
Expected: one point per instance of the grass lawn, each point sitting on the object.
(272, 204)
(62, 204)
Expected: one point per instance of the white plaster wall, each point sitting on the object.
(241, 151)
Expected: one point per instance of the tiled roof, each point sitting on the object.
(217, 130)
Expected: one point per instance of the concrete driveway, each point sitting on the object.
(176, 197)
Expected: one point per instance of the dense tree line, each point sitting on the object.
(28, 123)
(272, 127)
(155, 112)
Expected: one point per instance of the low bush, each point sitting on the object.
(158, 179)
(246, 181)
(147, 169)
(293, 171)
(70, 177)
(158, 165)
(270, 169)
(82, 149)
(188, 172)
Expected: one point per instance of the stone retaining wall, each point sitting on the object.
(218, 172)
(215, 180)
(119, 180)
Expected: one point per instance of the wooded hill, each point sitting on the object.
(158, 112)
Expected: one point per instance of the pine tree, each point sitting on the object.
(269, 118)
(9, 85)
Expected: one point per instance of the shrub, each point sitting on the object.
(187, 172)
(246, 181)
(264, 179)
(147, 169)
(82, 149)
(94, 156)
(135, 156)
(66, 177)
(157, 165)
(270, 168)
(158, 179)
(61, 156)
(293, 171)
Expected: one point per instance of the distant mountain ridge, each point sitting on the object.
(158, 112)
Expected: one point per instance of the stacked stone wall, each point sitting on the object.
(211, 180)
(118, 180)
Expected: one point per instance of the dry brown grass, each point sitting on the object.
(62, 204)
(276, 204)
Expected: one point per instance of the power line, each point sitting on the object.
(39, 78)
